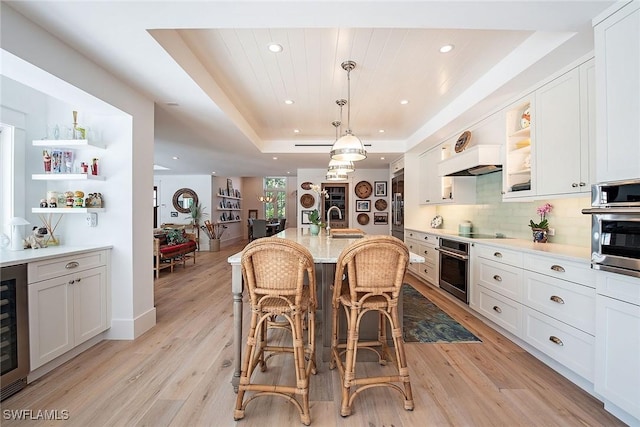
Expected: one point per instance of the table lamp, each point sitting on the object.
(16, 235)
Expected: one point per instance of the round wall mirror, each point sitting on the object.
(183, 199)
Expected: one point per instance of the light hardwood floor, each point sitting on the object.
(179, 372)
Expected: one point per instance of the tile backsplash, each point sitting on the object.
(491, 215)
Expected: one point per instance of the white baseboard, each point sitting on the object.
(130, 329)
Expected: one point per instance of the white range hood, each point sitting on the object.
(476, 160)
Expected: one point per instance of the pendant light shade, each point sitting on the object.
(334, 176)
(348, 147)
(340, 167)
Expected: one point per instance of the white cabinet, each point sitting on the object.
(397, 165)
(562, 160)
(430, 185)
(68, 303)
(424, 244)
(552, 156)
(547, 302)
(617, 51)
(618, 343)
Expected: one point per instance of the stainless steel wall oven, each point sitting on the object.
(454, 268)
(14, 330)
(615, 227)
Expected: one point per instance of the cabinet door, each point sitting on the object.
(558, 139)
(617, 49)
(617, 349)
(430, 183)
(90, 304)
(50, 319)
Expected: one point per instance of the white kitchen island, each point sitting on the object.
(325, 251)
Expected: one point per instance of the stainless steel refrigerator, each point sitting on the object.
(397, 206)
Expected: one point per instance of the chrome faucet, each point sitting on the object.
(329, 217)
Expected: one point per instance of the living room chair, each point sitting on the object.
(275, 271)
(375, 268)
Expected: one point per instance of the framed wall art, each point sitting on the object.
(305, 217)
(363, 205)
(380, 188)
(381, 218)
(253, 214)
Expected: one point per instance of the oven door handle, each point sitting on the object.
(612, 210)
(453, 254)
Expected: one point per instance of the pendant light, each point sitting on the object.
(335, 176)
(340, 167)
(348, 147)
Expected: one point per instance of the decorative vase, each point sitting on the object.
(540, 235)
(314, 229)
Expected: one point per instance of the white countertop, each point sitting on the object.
(8, 257)
(575, 253)
(325, 249)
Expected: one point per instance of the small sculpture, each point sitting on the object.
(53, 202)
(36, 240)
(43, 203)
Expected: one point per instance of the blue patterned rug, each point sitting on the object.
(423, 321)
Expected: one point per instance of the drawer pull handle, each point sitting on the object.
(497, 309)
(556, 340)
(71, 282)
(497, 254)
(557, 299)
(497, 278)
(558, 268)
(78, 280)
(72, 264)
(574, 185)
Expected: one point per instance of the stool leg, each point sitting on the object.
(247, 367)
(382, 338)
(350, 362)
(403, 370)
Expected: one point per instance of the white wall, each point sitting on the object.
(37, 59)
(318, 176)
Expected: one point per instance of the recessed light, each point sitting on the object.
(175, 158)
(275, 47)
(381, 158)
(404, 102)
(275, 158)
(446, 48)
(172, 104)
(213, 172)
(288, 172)
(380, 130)
(296, 131)
(289, 101)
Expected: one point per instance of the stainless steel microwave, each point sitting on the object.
(615, 227)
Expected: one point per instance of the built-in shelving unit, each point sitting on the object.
(232, 204)
(517, 178)
(67, 210)
(67, 143)
(66, 177)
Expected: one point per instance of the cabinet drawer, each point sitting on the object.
(54, 267)
(429, 253)
(505, 256)
(562, 269)
(421, 237)
(503, 279)
(623, 288)
(565, 344)
(413, 245)
(565, 301)
(499, 309)
(428, 272)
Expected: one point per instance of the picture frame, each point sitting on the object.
(380, 218)
(363, 205)
(253, 214)
(305, 216)
(380, 188)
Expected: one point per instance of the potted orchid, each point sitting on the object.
(315, 217)
(541, 229)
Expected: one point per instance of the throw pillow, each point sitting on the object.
(175, 237)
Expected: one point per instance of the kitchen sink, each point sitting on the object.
(347, 233)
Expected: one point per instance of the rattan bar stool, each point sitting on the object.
(274, 270)
(375, 269)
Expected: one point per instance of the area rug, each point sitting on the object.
(423, 321)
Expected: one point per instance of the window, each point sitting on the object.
(276, 188)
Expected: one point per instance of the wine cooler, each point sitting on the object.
(14, 330)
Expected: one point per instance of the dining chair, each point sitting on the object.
(259, 229)
(275, 272)
(375, 267)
